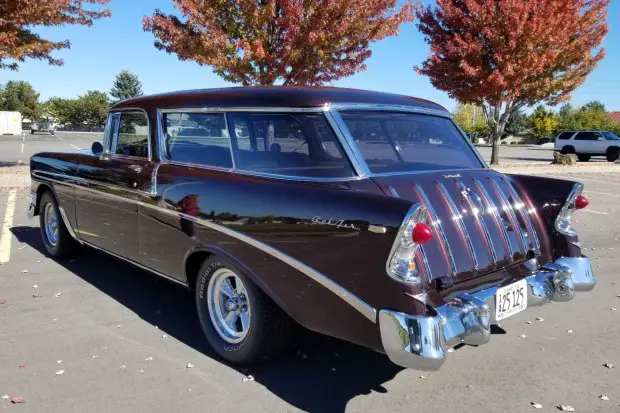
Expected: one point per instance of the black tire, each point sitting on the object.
(613, 154)
(584, 158)
(53, 132)
(568, 149)
(65, 246)
(32, 131)
(269, 331)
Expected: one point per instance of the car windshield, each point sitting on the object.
(403, 142)
(611, 136)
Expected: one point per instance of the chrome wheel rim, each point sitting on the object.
(229, 306)
(51, 224)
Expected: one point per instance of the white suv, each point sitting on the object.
(588, 143)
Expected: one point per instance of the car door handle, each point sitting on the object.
(136, 168)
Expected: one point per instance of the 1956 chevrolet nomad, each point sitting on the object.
(361, 215)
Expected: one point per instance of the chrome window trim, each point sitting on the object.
(108, 153)
(356, 159)
(208, 109)
(369, 107)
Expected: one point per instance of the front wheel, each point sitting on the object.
(240, 322)
(613, 154)
(56, 238)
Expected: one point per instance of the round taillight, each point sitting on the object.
(581, 202)
(421, 233)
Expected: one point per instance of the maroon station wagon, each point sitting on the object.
(365, 216)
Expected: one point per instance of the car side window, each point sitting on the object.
(586, 136)
(565, 135)
(287, 144)
(132, 136)
(200, 138)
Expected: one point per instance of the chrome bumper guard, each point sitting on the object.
(421, 342)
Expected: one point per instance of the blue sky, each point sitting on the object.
(98, 53)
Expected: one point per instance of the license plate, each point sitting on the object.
(510, 300)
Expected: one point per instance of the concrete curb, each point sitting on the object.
(79, 133)
(531, 168)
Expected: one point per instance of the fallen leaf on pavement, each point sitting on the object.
(609, 365)
(248, 378)
(540, 319)
(566, 408)
(56, 295)
(24, 271)
(5, 397)
(523, 336)
(189, 365)
(537, 405)
(603, 397)
(93, 356)
(59, 372)
(3, 301)
(58, 361)
(17, 400)
(21, 366)
(149, 359)
(569, 331)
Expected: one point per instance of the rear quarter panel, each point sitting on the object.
(286, 216)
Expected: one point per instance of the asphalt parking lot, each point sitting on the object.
(95, 334)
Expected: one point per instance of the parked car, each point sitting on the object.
(403, 241)
(43, 127)
(588, 143)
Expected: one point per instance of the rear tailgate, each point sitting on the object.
(480, 222)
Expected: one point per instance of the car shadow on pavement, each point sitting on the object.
(317, 374)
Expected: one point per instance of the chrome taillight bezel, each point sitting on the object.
(563, 222)
(404, 241)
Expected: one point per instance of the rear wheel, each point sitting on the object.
(56, 238)
(613, 154)
(568, 149)
(32, 131)
(240, 322)
(584, 158)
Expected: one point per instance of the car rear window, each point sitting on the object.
(565, 135)
(402, 142)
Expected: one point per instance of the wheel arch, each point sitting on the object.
(41, 189)
(199, 253)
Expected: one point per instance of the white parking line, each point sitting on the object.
(601, 193)
(5, 236)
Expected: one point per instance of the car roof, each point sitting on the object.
(275, 96)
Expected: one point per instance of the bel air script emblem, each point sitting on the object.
(338, 224)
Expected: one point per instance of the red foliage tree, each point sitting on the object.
(18, 42)
(295, 42)
(506, 54)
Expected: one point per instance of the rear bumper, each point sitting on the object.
(421, 342)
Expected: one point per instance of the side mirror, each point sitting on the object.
(97, 148)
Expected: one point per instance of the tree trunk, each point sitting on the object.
(495, 139)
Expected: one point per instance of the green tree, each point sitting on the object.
(126, 86)
(517, 123)
(596, 105)
(59, 109)
(544, 123)
(471, 119)
(21, 97)
(91, 108)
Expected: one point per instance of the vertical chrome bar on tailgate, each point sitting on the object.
(509, 212)
(521, 207)
(466, 194)
(458, 218)
(498, 219)
(436, 222)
